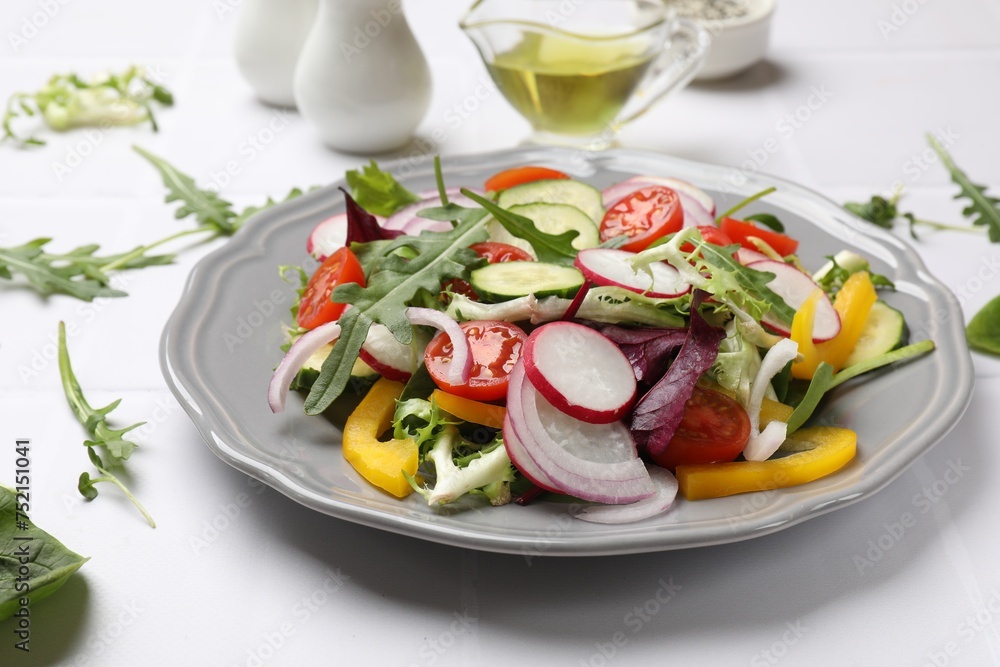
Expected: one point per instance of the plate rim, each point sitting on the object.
(250, 242)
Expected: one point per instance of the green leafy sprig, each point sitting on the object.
(83, 274)
(68, 102)
(94, 420)
(983, 209)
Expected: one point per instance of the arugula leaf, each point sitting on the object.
(983, 331)
(983, 209)
(378, 191)
(393, 283)
(551, 248)
(209, 209)
(67, 101)
(50, 564)
(78, 273)
(96, 425)
(878, 210)
(93, 420)
(752, 281)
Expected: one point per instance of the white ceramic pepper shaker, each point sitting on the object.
(269, 38)
(362, 80)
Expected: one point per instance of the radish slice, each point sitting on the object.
(387, 356)
(695, 211)
(328, 237)
(795, 287)
(605, 266)
(593, 463)
(666, 491)
(294, 359)
(461, 354)
(429, 199)
(417, 225)
(690, 190)
(522, 460)
(746, 257)
(580, 371)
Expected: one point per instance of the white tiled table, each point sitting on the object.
(282, 585)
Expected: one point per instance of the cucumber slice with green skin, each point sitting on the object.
(510, 280)
(885, 330)
(563, 191)
(557, 219)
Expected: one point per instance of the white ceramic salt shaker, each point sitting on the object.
(269, 38)
(362, 80)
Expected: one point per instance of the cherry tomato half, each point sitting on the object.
(496, 347)
(521, 175)
(644, 216)
(495, 253)
(711, 234)
(315, 308)
(740, 232)
(714, 429)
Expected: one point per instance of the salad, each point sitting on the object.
(535, 335)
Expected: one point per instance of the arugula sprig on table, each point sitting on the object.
(983, 210)
(83, 274)
(102, 436)
(67, 102)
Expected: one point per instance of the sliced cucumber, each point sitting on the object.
(510, 280)
(564, 191)
(885, 330)
(559, 218)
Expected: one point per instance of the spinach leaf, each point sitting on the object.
(49, 563)
(983, 332)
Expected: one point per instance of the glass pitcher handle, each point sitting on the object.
(673, 70)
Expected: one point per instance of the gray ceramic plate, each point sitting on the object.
(220, 345)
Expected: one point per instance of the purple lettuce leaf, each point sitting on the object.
(657, 415)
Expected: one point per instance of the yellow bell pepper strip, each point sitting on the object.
(771, 411)
(469, 410)
(832, 449)
(802, 328)
(384, 464)
(853, 303)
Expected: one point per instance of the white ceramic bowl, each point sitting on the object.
(737, 43)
